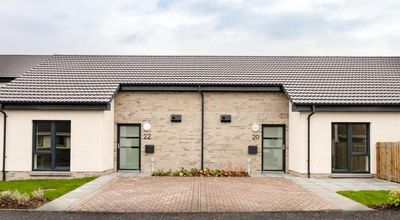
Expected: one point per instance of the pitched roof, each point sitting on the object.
(306, 80)
(12, 66)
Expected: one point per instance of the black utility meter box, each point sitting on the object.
(149, 149)
(252, 149)
(225, 118)
(176, 118)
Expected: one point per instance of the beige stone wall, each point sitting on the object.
(176, 144)
(226, 144)
(179, 144)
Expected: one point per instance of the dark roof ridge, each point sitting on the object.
(26, 55)
(233, 56)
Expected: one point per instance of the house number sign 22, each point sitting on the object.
(147, 136)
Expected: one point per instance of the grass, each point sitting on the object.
(53, 188)
(367, 197)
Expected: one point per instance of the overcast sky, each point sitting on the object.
(200, 27)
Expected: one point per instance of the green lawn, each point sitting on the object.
(367, 197)
(53, 188)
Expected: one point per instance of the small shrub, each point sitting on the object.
(17, 200)
(14, 199)
(205, 172)
(157, 173)
(38, 195)
(394, 198)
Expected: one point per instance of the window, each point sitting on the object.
(350, 147)
(51, 145)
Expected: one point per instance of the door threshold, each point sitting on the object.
(272, 172)
(128, 171)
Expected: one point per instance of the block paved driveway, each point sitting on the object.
(197, 194)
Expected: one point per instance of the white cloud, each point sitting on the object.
(291, 6)
(230, 27)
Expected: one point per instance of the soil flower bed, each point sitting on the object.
(205, 172)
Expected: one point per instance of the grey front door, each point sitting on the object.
(273, 148)
(128, 147)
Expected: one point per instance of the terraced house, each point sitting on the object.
(76, 115)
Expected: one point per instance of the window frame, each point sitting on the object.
(349, 145)
(53, 143)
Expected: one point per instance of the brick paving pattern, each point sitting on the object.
(196, 194)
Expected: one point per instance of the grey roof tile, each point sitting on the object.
(12, 66)
(307, 80)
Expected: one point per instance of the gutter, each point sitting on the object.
(308, 140)
(202, 129)
(4, 141)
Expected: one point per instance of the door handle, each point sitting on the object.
(283, 147)
(118, 146)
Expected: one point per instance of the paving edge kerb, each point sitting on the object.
(64, 202)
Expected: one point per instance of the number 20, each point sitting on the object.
(256, 137)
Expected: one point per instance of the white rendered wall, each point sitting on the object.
(91, 138)
(384, 126)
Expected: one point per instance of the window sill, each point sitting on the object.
(50, 173)
(352, 175)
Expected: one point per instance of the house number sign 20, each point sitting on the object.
(255, 137)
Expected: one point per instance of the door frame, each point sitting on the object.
(140, 144)
(283, 142)
(349, 147)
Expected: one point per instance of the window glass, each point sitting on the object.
(339, 150)
(359, 138)
(273, 132)
(42, 161)
(63, 135)
(52, 145)
(273, 159)
(359, 163)
(62, 158)
(129, 158)
(129, 142)
(273, 143)
(129, 131)
(43, 136)
(63, 145)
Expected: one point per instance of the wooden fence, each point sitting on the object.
(388, 161)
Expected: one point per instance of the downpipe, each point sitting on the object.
(4, 142)
(309, 140)
(202, 129)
